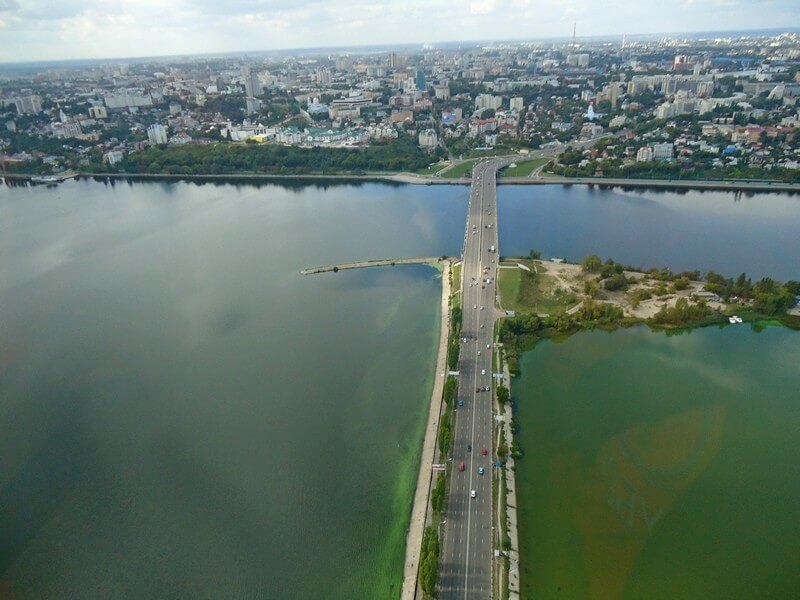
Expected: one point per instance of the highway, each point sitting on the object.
(466, 564)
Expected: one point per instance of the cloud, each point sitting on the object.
(44, 30)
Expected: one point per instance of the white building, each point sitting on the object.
(663, 152)
(113, 157)
(428, 139)
(28, 105)
(253, 105)
(517, 103)
(128, 98)
(157, 134)
(488, 101)
(645, 154)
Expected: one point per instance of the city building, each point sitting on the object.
(428, 139)
(252, 105)
(663, 152)
(645, 154)
(98, 112)
(517, 103)
(28, 105)
(157, 134)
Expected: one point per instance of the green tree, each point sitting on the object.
(591, 263)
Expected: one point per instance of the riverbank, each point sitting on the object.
(420, 510)
(556, 298)
(414, 179)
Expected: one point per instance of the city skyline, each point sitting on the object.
(34, 31)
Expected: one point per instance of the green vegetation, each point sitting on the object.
(524, 168)
(682, 314)
(767, 296)
(438, 494)
(450, 391)
(445, 433)
(402, 154)
(460, 170)
(429, 561)
(432, 169)
(522, 290)
(503, 395)
(454, 342)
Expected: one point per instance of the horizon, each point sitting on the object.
(83, 30)
(414, 46)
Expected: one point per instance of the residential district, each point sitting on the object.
(722, 107)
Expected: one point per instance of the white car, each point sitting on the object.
(473, 494)
(488, 345)
(474, 306)
(483, 371)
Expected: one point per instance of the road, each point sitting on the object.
(466, 565)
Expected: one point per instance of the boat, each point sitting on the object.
(735, 319)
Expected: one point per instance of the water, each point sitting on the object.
(723, 231)
(661, 466)
(183, 415)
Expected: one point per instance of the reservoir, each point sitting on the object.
(686, 230)
(182, 414)
(660, 466)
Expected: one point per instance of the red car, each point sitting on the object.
(484, 452)
(477, 389)
(461, 466)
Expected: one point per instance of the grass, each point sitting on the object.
(455, 286)
(460, 170)
(524, 291)
(524, 168)
(433, 169)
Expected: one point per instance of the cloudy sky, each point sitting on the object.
(60, 29)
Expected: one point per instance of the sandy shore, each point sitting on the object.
(419, 511)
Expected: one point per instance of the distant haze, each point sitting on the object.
(32, 30)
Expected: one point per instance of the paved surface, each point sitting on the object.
(370, 263)
(420, 511)
(466, 565)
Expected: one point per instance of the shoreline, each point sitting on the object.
(420, 507)
(731, 185)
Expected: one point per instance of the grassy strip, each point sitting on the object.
(524, 168)
(429, 561)
(460, 170)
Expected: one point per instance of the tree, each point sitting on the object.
(591, 263)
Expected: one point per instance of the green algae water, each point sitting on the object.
(184, 415)
(661, 466)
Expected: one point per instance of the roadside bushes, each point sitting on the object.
(429, 561)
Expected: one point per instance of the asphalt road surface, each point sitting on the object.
(466, 566)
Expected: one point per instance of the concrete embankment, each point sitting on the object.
(414, 179)
(388, 262)
(421, 507)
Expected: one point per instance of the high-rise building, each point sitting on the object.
(98, 112)
(157, 134)
(393, 60)
(663, 152)
(28, 105)
(420, 79)
(253, 105)
(517, 103)
(252, 87)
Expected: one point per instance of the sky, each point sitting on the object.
(71, 29)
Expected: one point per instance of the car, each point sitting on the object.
(487, 345)
(481, 306)
(484, 452)
(480, 470)
(477, 389)
(481, 325)
(474, 306)
(469, 447)
(483, 371)
(473, 494)
(461, 403)
(461, 466)
(479, 352)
